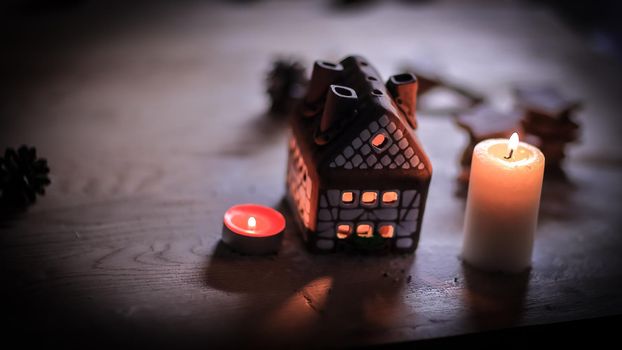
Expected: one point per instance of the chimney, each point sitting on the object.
(324, 74)
(403, 88)
(340, 106)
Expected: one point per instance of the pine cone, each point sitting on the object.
(286, 84)
(22, 177)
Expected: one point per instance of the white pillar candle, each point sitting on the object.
(502, 205)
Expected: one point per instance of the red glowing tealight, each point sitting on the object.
(253, 229)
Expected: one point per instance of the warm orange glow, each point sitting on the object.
(378, 141)
(343, 231)
(252, 223)
(298, 313)
(364, 230)
(386, 231)
(347, 197)
(513, 144)
(369, 197)
(389, 197)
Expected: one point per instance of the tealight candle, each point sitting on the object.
(502, 205)
(253, 229)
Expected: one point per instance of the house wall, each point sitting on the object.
(299, 184)
(405, 216)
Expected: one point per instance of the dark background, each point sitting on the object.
(152, 117)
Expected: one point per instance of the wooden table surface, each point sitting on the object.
(151, 117)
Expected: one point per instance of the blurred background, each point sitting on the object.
(123, 61)
(153, 117)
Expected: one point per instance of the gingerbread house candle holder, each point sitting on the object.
(357, 175)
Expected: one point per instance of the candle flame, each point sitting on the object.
(513, 144)
(252, 222)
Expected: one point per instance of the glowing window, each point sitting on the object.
(347, 197)
(343, 231)
(364, 230)
(386, 231)
(389, 197)
(379, 141)
(369, 198)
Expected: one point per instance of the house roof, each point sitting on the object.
(344, 148)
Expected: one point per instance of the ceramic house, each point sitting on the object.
(357, 175)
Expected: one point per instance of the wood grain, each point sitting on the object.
(152, 122)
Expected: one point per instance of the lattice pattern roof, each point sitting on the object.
(395, 152)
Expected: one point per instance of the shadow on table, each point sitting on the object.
(494, 300)
(296, 298)
(9, 214)
(257, 135)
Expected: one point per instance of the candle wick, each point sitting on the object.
(509, 155)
